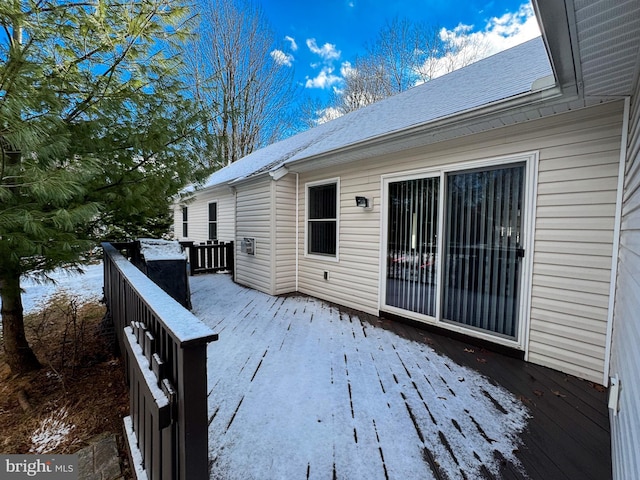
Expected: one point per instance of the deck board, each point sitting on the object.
(381, 399)
(568, 436)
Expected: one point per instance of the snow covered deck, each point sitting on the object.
(302, 389)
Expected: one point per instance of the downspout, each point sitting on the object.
(616, 239)
(236, 242)
(273, 260)
(297, 227)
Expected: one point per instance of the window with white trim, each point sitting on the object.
(322, 219)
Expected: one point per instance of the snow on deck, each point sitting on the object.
(301, 389)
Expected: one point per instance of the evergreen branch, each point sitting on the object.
(108, 74)
(56, 8)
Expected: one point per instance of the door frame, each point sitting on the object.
(530, 161)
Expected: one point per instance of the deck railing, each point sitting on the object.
(209, 257)
(164, 347)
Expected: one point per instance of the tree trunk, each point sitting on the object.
(19, 355)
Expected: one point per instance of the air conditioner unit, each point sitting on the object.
(248, 246)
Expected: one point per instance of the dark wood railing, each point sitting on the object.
(164, 346)
(209, 257)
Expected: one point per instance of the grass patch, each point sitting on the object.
(78, 394)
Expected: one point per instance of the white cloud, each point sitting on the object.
(347, 69)
(292, 41)
(326, 115)
(511, 29)
(499, 33)
(327, 52)
(282, 58)
(324, 79)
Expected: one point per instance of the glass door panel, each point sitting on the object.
(412, 245)
(482, 249)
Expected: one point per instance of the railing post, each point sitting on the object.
(193, 255)
(230, 257)
(192, 413)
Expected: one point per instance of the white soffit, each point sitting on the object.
(608, 34)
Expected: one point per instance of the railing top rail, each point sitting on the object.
(184, 327)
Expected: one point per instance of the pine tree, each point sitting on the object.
(96, 134)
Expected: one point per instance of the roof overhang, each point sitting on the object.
(593, 45)
(547, 99)
(558, 27)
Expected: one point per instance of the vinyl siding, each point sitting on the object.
(284, 259)
(577, 186)
(198, 215)
(576, 195)
(625, 353)
(254, 220)
(353, 279)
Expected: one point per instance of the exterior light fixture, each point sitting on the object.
(362, 202)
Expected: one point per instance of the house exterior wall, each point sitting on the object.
(284, 258)
(255, 220)
(198, 215)
(625, 357)
(576, 195)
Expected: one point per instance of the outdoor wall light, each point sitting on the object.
(362, 202)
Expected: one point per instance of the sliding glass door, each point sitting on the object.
(480, 236)
(412, 245)
(482, 249)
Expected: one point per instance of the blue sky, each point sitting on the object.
(320, 38)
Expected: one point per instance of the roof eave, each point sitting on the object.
(541, 95)
(557, 22)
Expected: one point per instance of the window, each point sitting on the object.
(185, 218)
(213, 221)
(322, 219)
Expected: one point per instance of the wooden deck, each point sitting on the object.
(302, 389)
(568, 435)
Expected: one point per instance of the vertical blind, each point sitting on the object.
(481, 258)
(482, 249)
(412, 245)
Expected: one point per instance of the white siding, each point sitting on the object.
(198, 215)
(625, 357)
(353, 280)
(574, 241)
(254, 220)
(284, 258)
(578, 154)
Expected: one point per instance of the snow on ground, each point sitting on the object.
(84, 287)
(300, 390)
(51, 433)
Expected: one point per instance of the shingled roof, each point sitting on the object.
(505, 75)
